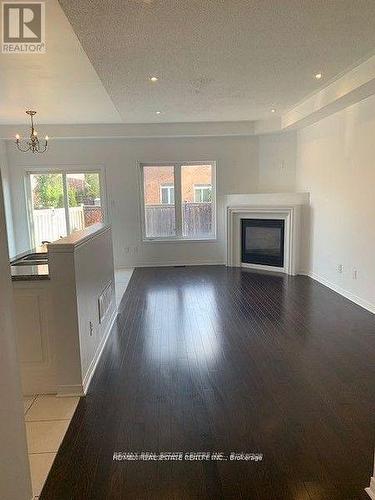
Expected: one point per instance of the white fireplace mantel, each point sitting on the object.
(284, 206)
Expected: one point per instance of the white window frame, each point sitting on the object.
(169, 187)
(177, 200)
(64, 171)
(201, 187)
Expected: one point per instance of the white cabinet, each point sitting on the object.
(35, 340)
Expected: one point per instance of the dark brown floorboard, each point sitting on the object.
(216, 359)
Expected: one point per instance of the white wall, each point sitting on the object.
(336, 164)
(7, 197)
(277, 162)
(238, 171)
(14, 466)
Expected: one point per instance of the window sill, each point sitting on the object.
(180, 240)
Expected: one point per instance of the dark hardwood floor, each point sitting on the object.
(219, 360)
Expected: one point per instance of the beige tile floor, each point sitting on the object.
(47, 419)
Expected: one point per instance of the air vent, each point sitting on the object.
(105, 300)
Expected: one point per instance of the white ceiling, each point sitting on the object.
(218, 60)
(61, 84)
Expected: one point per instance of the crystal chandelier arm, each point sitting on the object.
(44, 149)
(21, 149)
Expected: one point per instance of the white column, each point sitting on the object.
(4, 169)
(14, 464)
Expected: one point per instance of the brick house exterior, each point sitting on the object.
(157, 177)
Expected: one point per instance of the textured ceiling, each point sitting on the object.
(218, 59)
(60, 84)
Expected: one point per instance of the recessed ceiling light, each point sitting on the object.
(154, 78)
(158, 112)
(273, 110)
(318, 76)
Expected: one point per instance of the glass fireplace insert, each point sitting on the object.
(263, 241)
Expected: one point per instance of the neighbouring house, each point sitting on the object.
(160, 186)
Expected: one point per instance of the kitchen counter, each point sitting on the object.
(30, 272)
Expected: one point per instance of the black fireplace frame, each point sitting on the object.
(263, 260)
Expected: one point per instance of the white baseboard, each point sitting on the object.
(338, 289)
(371, 489)
(184, 264)
(38, 386)
(260, 267)
(91, 369)
(65, 391)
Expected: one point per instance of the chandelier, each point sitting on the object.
(33, 144)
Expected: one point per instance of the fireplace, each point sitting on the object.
(282, 209)
(262, 242)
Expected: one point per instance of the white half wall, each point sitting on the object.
(335, 163)
(238, 171)
(81, 269)
(94, 273)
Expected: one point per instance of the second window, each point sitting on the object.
(178, 201)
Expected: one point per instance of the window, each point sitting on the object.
(61, 203)
(167, 195)
(159, 216)
(178, 201)
(202, 193)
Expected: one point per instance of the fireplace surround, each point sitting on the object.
(265, 207)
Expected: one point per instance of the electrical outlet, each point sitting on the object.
(91, 328)
(355, 274)
(340, 268)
